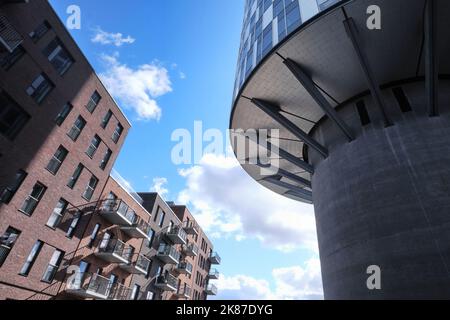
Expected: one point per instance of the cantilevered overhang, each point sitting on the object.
(324, 50)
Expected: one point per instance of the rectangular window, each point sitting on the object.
(76, 175)
(40, 88)
(117, 133)
(161, 218)
(94, 235)
(292, 16)
(150, 295)
(62, 116)
(7, 241)
(40, 31)
(106, 119)
(106, 159)
(77, 128)
(32, 201)
(267, 39)
(26, 268)
(151, 238)
(8, 192)
(73, 225)
(53, 266)
(135, 292)
(9, 59)
(90, 188)
(57, 160)
(58, 213)
(95, 143)
(58, 56)
(12, 117)
(362, 112)
(93, 102)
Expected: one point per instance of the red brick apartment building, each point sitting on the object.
(69, 229)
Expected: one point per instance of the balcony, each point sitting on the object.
(214, 258)
(168, 254)
(213, 274)
(138, 229)
(139, 265)
(117, 212)
(10, 39)
(119, 292)
(114, 251)
(176, 235)
(211, 290)
(184, 268)
(191, 250)
(184, 292)
(167, 282)
(88, 286)
(190, 227)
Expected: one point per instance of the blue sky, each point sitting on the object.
(179, 57)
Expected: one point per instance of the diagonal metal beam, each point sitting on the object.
(274, 112)
(374, 87)
(304, 194)
(306, 198)
(295, 178)
(431, 58)
(282, 153)
(323, 103)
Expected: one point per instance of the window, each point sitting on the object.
(7, 241)
(402, 99)
(161, 218)
(292, 16)
(94, 235)
(58, 56)
(32, 201)
(151, 238)
(362, 112)
(106, 159)
(53, 266)
(58, 213)
(106, 119)
(8, 193)
(40, 88)
(62, 116)
(76, 175)
(57, 160)
(10, 58)
(95, 143)
(26, 268)
(267, 39)
(77, 128)
(73, 226)
(90, 188)
(12, 117)
(135, 292)
(93, 102)
(117, 133)
(149, 295)
(40, 31)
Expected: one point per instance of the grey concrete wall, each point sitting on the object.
(384, 199)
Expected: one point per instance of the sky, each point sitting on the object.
(170, 64)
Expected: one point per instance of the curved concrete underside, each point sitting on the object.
(325, 51)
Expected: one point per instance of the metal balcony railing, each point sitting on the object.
(119, 207)
(190, 227)
(184, 267)
(215, 258)
(190, 249)
(89, 285)
(211, 290)
(139, 264)
(168, 254)
(184, 291)
(176, 234)
(119, 292)
(115, 248)
(213, 274)
(167, 282)
(10, 39)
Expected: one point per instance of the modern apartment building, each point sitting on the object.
(359, 91)
(70, 228)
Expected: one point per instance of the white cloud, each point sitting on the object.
(137, 89)
(292, 283)
(182, 75)
(229, 203)
(116, 39)
(159, 186)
